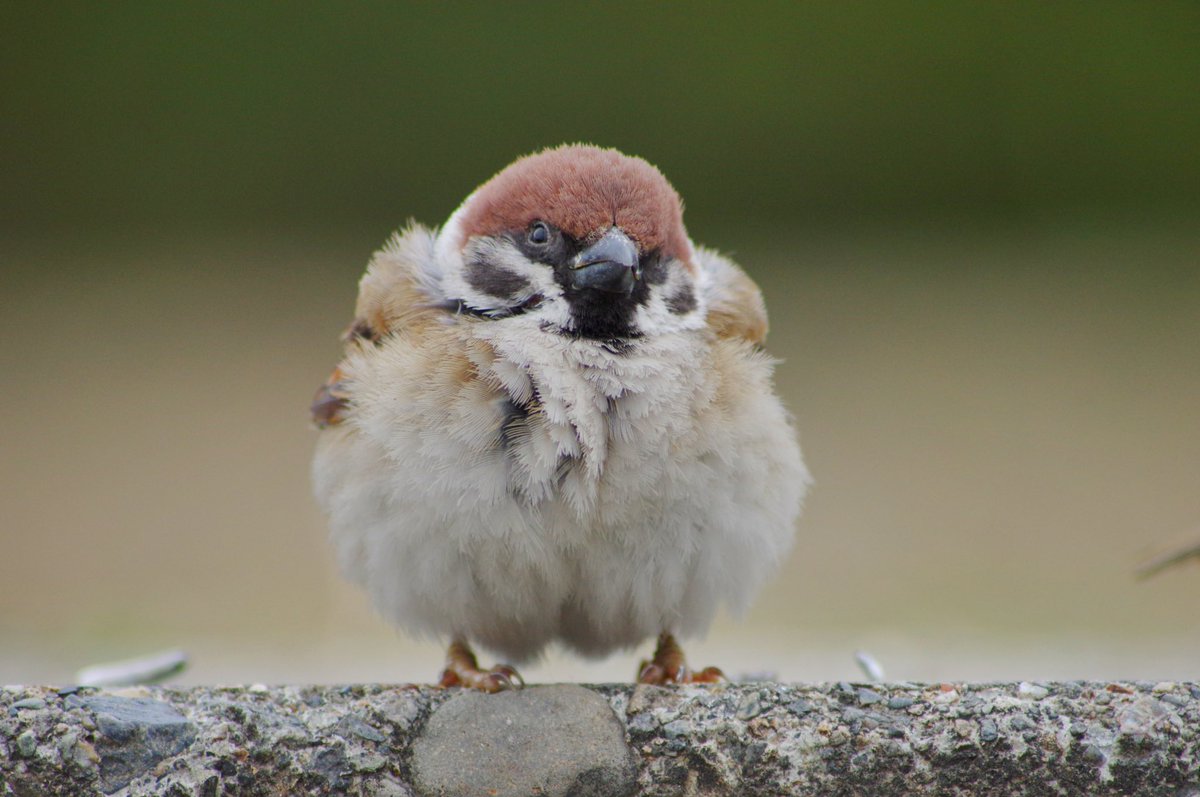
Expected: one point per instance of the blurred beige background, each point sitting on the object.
(977, 236)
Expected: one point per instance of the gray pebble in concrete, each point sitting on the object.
(1019, 722)
(352, 725)
(677, 728)
(751, 707)
(29, 704)
(1032, 691)
(868, 697)
(643, 723)
(801, 706)
(136, 733)
(26, 744)
(546, 740)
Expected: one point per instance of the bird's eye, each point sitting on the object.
(539, 233)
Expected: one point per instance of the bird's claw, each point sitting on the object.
(651, 673)
(709, 675)
(668, 667)
(656, 674)
(507, 676)
(501, 678)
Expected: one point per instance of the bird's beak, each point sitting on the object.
(609, 265)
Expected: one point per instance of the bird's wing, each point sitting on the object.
(735, 305)
(400, 290)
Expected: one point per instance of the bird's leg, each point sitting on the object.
(462, 669)
(669, 667)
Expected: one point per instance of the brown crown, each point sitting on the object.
(582, 190)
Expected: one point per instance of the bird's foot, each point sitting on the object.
(670, 667)
(462, 669)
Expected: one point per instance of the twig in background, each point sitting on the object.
(1169, 559)
(869, 665)
(143, 670)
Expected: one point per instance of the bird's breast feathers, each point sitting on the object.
(507, 409)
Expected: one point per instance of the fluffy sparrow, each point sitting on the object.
(554, 422)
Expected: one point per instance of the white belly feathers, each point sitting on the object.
(570, 490)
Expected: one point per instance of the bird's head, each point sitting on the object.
(578, 240)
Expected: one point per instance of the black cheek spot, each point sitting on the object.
(497, 282)
(684, 300)
(361, 330)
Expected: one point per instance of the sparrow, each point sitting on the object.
(554, 422)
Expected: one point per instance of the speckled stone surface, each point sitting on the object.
(1065, 738)
(556, 741)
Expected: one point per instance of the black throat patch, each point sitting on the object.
(607, 316)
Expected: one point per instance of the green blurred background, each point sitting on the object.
(977, 227)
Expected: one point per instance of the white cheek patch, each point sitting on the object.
(675, 304)
(491, 275)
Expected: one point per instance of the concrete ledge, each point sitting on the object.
(1071, 738)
